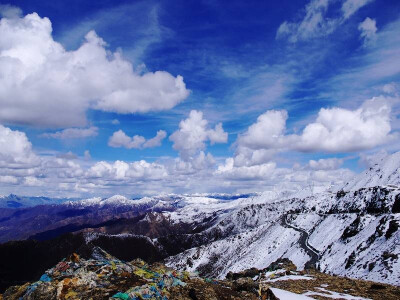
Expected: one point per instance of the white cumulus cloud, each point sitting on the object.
(120, 170)
(43, 84)
(334, 130)
(230, 171)
(341, 130)
(120, 139)
(325, 163)
(193, 133)
(155, 141)
(15, 149)
(267, 132)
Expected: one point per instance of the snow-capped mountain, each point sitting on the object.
(354, 235)
(116, 200)
(14, 201)
(353, 232)
(50, 220)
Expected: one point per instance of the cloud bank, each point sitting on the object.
(334, 130)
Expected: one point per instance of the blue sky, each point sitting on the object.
(265, 88)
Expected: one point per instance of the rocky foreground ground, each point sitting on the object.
(102, 276)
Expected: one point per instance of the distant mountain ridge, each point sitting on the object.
(14, 201)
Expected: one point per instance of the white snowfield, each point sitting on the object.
(290, 277)
(286, 295)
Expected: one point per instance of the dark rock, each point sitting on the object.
(192, 294)
(393, 227)
(376, 286)
(396, 205)
(245, 284)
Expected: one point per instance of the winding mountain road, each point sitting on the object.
(304, 243)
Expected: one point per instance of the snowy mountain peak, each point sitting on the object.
(385, 171)
(113, 200)
(117, 199)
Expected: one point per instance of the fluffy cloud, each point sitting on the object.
(17, 159)
(45, 85)
(68, 175)
(201, 163)
(193, 133)
(325, 164)
(68, 155)
(341, 130)
(267, 132)
(368, 30)
(230, 171)
(19, 165)
(315, 23)
(120, 170)
(155, 141)
(72, 133)
(120, 139)
(268, 176)
(334, 130)
(15, 150)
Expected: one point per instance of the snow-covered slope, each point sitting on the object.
(359, 244)
(386, 171)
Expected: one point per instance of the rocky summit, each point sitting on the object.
(102, 276)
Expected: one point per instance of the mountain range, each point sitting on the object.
(351, 230)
